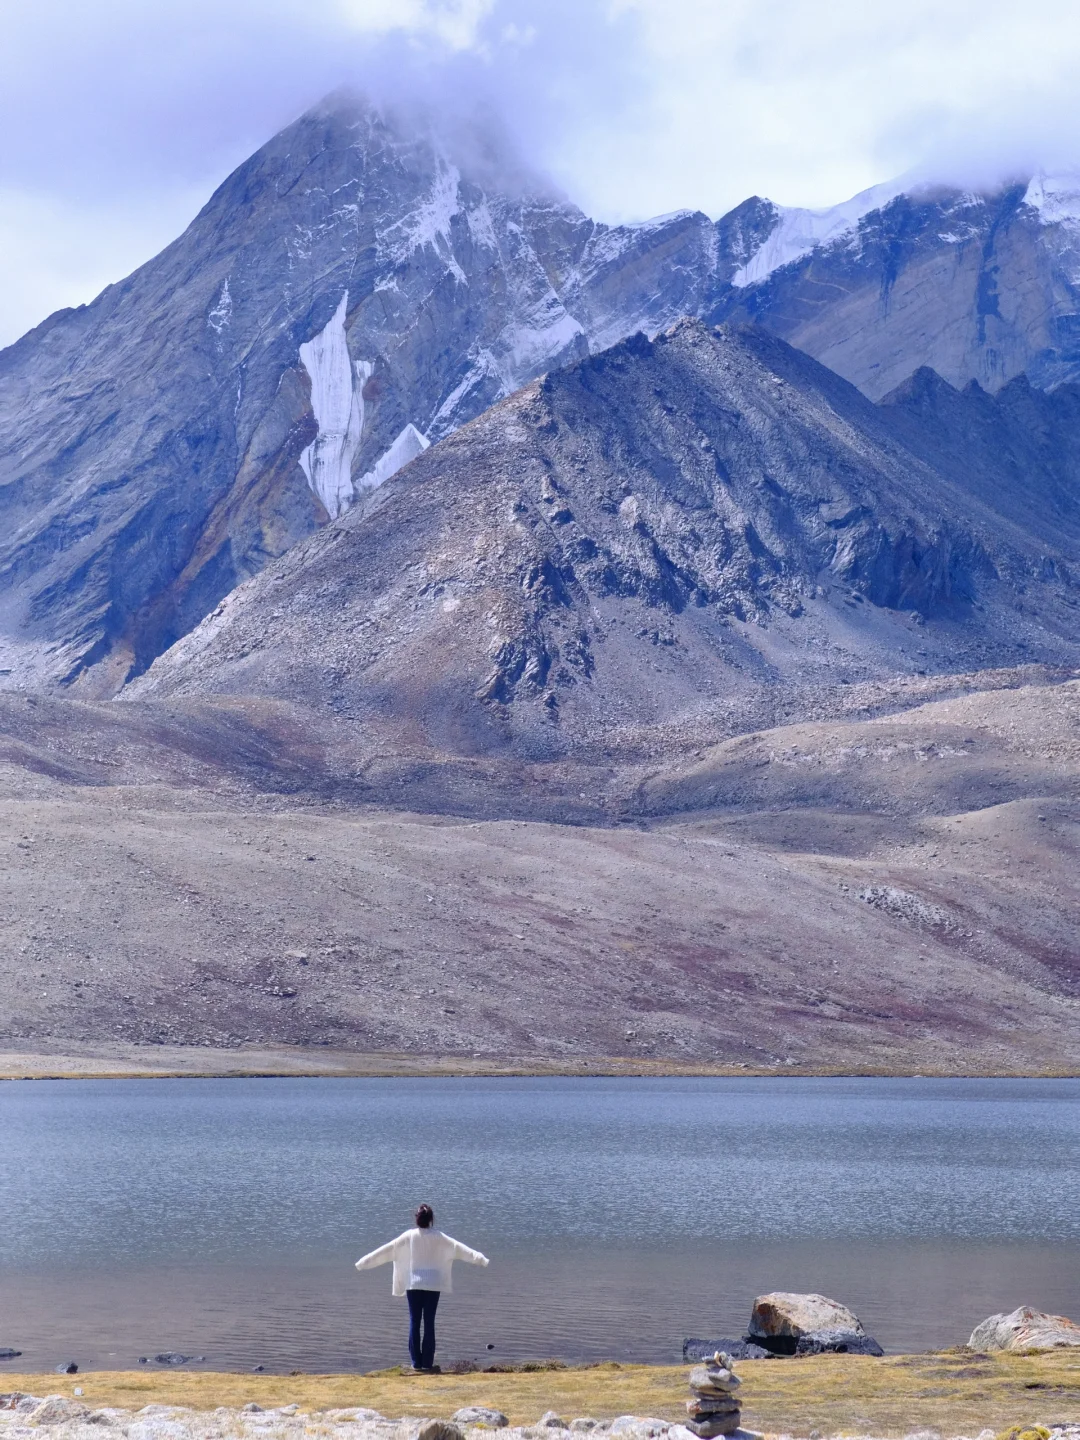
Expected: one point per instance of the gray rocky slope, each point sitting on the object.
(566, 635)
(357, 288)
(708, 528)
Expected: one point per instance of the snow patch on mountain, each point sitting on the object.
(1056, 198)
(407, 445)
(429, 224)
(338, 407)
(801, 231)
(221, 313)
(607, 245)
(544, 334)
(482, 226)
(481, 369)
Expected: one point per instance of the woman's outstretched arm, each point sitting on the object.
(462, 1252)
(382, 1256)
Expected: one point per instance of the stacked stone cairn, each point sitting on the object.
(714, 1406)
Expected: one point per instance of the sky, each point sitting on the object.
(119, 117)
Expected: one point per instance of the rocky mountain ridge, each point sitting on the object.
(975, 286)
(678, 527)
(355, 291)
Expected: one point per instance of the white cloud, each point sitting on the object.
(454, 22)
(810, 101)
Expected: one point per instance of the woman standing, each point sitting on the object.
(422, 1259)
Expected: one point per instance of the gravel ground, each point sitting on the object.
(23, 1417)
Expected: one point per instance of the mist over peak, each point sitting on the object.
(472, 135)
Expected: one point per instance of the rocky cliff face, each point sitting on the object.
(977, 287)
(348, 295)
(669, 531)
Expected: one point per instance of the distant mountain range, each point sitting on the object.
(355, 292)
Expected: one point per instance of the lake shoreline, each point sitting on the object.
(171, 1062)
(953, 1392)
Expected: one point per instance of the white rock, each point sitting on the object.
(1025, 1329)
(57, 1410)
(782, 1312)
(480, 1415)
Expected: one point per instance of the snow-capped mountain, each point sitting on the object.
(978, 287)
(350, 294)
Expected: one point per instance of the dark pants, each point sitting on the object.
(422, 1307)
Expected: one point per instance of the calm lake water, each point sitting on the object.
(222, 1217)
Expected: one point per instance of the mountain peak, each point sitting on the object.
(362, 285)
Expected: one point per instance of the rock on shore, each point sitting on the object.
(1025, 1329)
(783, 1313)
(788, 1324)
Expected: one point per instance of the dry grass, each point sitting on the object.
(164, 1062)
(955, 1392)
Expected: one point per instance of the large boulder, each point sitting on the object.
(781, 1319)
(410, 1429)
(784, 1313)
(57, 1410)
(1025, 1329)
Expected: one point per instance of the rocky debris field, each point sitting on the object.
(24, 1417)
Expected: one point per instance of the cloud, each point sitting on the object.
(117, 116)
(809, 101)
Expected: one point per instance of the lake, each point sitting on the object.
(221, 1218)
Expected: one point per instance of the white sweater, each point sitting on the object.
(422, 1259)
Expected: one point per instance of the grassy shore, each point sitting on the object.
(954, 1392)
(115, 1062)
